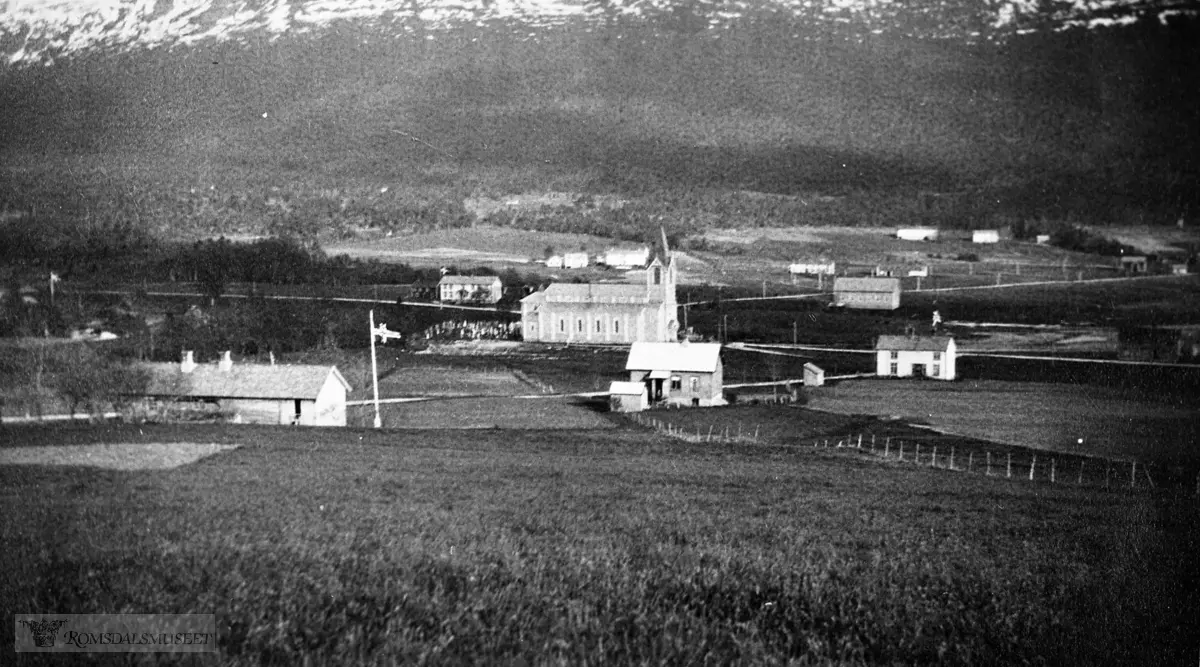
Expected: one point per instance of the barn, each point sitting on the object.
(915, 356)
(305, 395)
(680, 374)
(627, 397)
(470, 289)
(867, 293)
(985, 236)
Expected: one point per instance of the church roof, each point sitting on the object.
(591, 292)
(914, 343)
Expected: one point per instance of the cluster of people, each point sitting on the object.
(473, 330)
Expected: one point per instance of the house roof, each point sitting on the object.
(626, 388)
(591, 292)
(469, 280)
(686, 357)
(242, 381)
(914, 343)
(866, 284)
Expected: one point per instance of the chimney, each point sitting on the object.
(226, 363)
(189, 362)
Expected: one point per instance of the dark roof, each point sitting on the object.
(241, 381)
(469, 280)
(585, 292)
(676, 357)
(914, 343)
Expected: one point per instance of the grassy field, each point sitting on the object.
(1038, 415)
(483, 413)
(616, 547)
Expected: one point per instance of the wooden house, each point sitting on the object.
(306, 395)
(470, 289)
(683, 374)
(915, 356)
(868, 293)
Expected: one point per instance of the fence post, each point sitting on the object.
(1107, 474)
(860, 441)
(872, 442)
(918, 454)
(1053, 466)
(933, 459)
(755, 434)
(902, 458)
(710, 430)
(887, 446)
(989, 463)
(1079, 482)
(1032, 465)
(1132, 474)
(952, 458)
(970, 461)
(1149, 479)
(1009, 474)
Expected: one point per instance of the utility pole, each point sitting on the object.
(794, 336)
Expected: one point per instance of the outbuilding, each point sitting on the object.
(985, 236)
(683, 374)
(1134, 264)
(814, 375)
(867, 293)
(627, 397)
(305, 395)
(470, 289)
(915, 356)
(917, 234)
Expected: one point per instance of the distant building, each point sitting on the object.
(1179, 269)
(919, 356)
(603, 312)
(1135, 264)
(678, 373)
(985, 236)
(627, 258)
(305, 395)
(814, 375)
(627, 397)
(917, 234)
(1043, 239)
(920, 272)
(470, 289)
(813, 268)
(575, 260)
(554, 262)
(867, 293)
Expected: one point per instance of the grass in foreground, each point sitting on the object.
(354, 546)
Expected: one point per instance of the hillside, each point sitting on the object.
(366, 124)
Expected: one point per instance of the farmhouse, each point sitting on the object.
(819, 268)
(470, 289)
(985, 236)
(574, 260)
(306, 395)
(605, 313)
(678, 373)
(920, 356)
(867, 293)
(1134, 264)
(627, 258)
(917, 234)
(627, 397)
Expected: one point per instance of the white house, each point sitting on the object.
(678, 373)
(627, 258)
(627, 397)
(305, 395)
(867, 293)
(575, 260)
(917, 234)
(985, 236)
(470, 289)
(813, 268)
(919, 356)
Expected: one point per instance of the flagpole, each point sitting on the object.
(375, 373)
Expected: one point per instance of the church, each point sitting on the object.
(604, 312)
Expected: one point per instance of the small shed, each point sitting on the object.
(1043, 239)
(916, 356)
(985, 236)
(627, 397)
(306, 395)
(867, 293)
(817, 268)
(684, 374)
(814, 375)
(1134, 264)
(575, 260)
(917, 234)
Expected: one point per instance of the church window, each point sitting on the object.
(657, 275)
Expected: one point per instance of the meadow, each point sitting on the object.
(614, 547)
